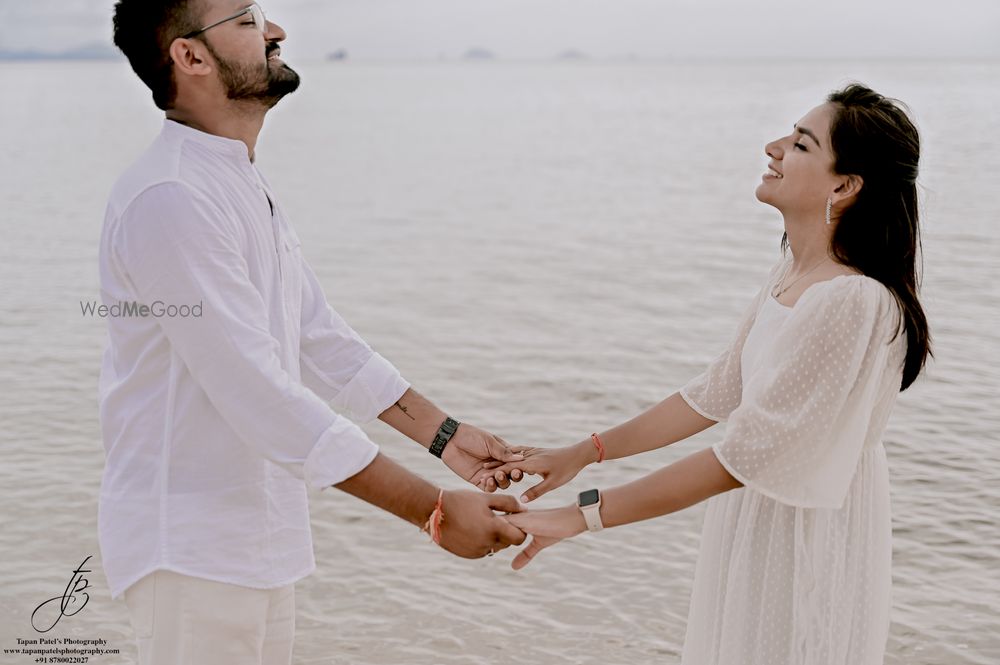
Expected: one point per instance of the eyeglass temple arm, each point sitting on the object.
(245, 10)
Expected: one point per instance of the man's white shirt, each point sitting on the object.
(221, 404)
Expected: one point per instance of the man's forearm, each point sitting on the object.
(387, 485)
(415, 416)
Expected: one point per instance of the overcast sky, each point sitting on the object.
(391, 29)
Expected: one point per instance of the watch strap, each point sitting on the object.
(443, 436)
(592, 514)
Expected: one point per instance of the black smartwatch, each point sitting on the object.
(443, 436)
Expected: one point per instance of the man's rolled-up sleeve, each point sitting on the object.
(337, 364)
(179, 248)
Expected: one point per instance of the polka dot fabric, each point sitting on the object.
(795, 567)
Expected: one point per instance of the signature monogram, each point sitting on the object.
(68, 597)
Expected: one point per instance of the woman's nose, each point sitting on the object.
(774, 150)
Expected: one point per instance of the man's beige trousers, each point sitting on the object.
(182, 620)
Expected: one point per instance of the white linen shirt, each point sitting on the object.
(213, 425)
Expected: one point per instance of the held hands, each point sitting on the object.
(557, 466)
(471, 529)
(547, 527)
(476, 456)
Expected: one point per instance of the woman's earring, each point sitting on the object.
(829, 205)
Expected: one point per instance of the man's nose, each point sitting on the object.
(274, 32)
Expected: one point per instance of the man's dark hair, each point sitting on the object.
(144, 30)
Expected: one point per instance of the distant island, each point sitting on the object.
(98, 51)
(478, 53)
(338, 55)
(572, 54)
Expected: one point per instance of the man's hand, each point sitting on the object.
(474, 454)
(471, 529)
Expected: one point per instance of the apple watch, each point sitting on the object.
(589, 503)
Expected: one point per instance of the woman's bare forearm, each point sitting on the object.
(668, 422)
(688, 481)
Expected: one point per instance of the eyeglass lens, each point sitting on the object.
(258, 17)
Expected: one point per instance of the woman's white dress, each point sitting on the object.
(794, 567)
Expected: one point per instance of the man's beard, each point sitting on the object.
(264, 83)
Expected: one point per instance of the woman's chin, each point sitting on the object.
(764, 197)
(762, 194)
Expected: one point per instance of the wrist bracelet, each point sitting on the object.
(600, 447)
(443, 436)
(433, 525)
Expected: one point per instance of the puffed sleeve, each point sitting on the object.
(719, 389)
(798, 432)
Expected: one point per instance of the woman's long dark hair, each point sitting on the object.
(879, 234)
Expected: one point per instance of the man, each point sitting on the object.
(216, 399)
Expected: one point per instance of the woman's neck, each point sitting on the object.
(809, 245)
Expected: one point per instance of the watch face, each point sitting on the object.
(588, 498)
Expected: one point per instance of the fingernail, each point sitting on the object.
(524, 498)
(517, 457)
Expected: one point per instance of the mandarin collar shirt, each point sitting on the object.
(225, 374)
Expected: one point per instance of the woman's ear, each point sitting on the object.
(848, 189)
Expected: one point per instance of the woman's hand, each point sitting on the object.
(556, 466)
(547, 527)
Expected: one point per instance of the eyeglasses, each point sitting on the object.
(256, 13)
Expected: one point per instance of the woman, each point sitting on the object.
(796, 548)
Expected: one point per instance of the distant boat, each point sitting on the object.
(339, 54)
(478, 54)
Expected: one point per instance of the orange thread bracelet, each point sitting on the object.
(433, 526)
(600, 447)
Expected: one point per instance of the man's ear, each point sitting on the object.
(849, 189)
(190, 57)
